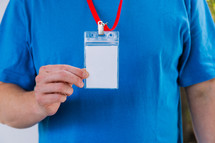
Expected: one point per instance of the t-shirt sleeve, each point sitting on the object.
(16, 61)
(197, 63)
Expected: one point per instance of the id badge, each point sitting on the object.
(101, 60)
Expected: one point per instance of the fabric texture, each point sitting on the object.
(163, 45)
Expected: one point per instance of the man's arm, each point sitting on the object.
(18, 108)
(21, 109)
(201, 99)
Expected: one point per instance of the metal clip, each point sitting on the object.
(101, 28)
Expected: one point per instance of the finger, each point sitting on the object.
(82, 73)
(62, 88)
(64, 76)
(48, 99)
(86, 75)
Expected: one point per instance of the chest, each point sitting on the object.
(148, 30)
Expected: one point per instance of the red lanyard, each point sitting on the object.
(96, 16)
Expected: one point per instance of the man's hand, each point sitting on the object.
(21, 109)
(54, 84)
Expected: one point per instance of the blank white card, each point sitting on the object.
(102, 64)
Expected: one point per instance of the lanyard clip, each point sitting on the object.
(101, 26)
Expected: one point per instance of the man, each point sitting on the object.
(163, 45)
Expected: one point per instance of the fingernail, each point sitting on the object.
(85, 74)
(81, 84)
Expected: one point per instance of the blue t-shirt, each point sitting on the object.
(163, 45)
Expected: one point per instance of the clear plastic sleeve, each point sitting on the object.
(101, 59)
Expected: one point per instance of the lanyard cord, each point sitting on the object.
(96, 16)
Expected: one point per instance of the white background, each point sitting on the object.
(11, 135)
(3, 5)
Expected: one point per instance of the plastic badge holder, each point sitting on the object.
(101, 59)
